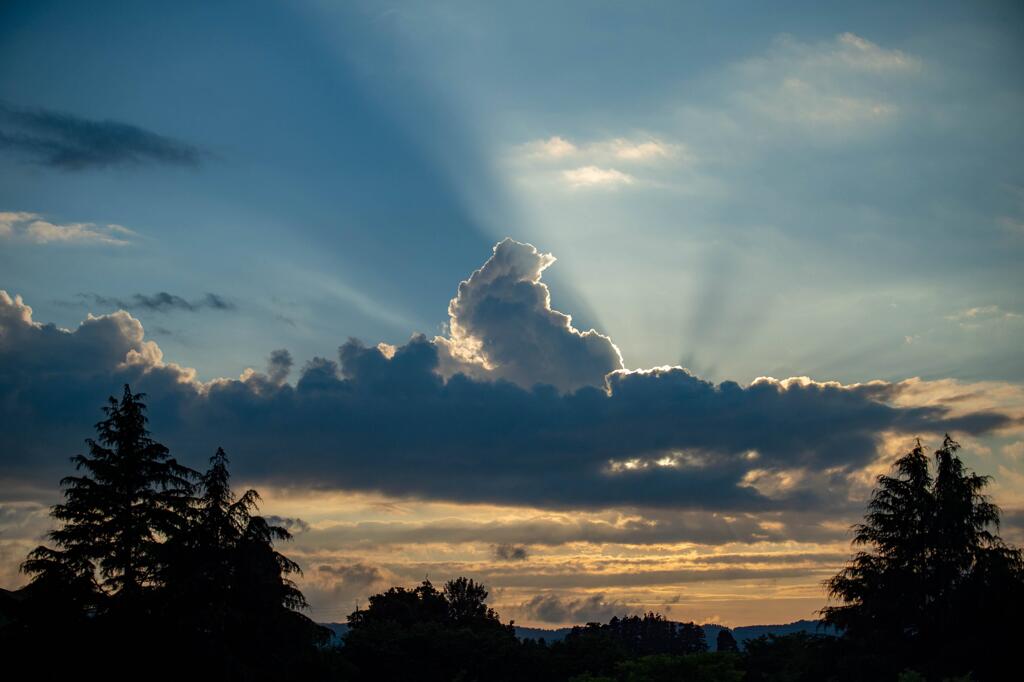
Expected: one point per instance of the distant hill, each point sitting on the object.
(748, 632)
(338, 630)
(742, 633)
(555, 635)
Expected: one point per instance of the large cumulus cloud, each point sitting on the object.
(501, 324)
(402, 421)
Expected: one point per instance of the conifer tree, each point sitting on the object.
(228, 589)
(130, 496)
(932, 563)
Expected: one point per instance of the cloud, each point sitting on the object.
(72, 143)
(973, 316)
(572, 577)
(551, 148)
(862, 54)
(843, 83)
(162, 302)
(336, 588)
(526, 423)
(507, 552)
(501, 325)
(356, 575)
(23, 525)
(279, 366)
(592, 176)
(596, 608)
(651, 527)
(31, 228)
(592, 165)
(644, 149)
(292, 525)
(650, 150)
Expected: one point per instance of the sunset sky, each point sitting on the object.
(613, 307)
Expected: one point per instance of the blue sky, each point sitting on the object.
(831, 190)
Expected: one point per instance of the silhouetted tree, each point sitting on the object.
(427, 634)
(147, 580)
(102, 576)
(651, 633)
(932, 565)
(228, 589)
(402, 606)
(599, 649)
(725, 642)
(130, 497)
(467, 604)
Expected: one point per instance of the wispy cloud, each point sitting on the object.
(639, 150)
(161, 302)
(626, 150)
(552, 148)
(593, 176)
(550, 608)
(596, 163)
(979, 314)
(862, 54)
(32, 228)
(69, 142)
(843, 82)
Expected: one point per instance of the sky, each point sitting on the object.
(612, 306)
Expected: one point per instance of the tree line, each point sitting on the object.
(159, 571)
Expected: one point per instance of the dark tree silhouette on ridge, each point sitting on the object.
(725, 642)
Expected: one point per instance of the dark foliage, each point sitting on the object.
(699, 667)
(932, 563)
(148, 580)
(600, 649)
(229, 599)
(130, 496)
(427, 634)
(644, 635)
(799, 657)
(726, 643)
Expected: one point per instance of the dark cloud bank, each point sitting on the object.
(513, 406)
(72, 143)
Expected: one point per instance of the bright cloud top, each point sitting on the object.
(501, 325)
